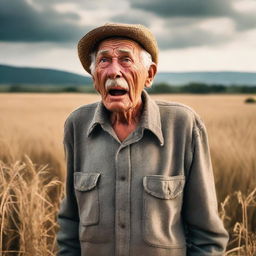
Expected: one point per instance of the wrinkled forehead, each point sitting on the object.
(119, 44)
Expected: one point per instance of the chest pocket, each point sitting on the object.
(87, 197)
(162, 202)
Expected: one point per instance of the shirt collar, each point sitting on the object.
(150, 118)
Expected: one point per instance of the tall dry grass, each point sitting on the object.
(29, 200)
(32, 124)
(242, 238)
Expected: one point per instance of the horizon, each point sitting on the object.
(162, 72)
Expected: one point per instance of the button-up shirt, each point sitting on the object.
(151, 194)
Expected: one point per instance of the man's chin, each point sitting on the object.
(117, 107)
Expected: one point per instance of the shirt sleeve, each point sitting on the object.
(205, 231)
(68, 219)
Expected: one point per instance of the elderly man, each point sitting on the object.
(139, 175)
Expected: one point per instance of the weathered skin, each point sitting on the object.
(120, 58)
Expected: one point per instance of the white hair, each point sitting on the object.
(93, 62)
(144, 55)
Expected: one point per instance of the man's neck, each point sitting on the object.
(124, 123)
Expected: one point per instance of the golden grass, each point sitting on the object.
(32, 124)
(242, 239)
(29, 201)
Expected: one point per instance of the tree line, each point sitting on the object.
(157, 88)
(200, 88)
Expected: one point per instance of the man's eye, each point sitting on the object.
(103, 60)
(126, 59)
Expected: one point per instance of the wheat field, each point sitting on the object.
(32, 166)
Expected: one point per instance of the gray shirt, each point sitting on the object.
(151, 194)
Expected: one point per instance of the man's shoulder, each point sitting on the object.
(84, 112)
(179, 112)
(175, 107)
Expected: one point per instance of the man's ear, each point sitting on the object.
(151, 74)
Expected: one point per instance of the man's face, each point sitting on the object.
(120, 75)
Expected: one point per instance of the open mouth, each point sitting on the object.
(117, 92)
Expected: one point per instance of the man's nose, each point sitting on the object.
(114, 70)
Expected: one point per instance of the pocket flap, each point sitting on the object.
(164, 187)
(85, 181)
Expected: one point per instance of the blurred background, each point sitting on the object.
(207, 61)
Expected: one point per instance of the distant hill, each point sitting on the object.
(40, 76)
(224, 78)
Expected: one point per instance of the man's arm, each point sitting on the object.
(68, 219)
(206, 234)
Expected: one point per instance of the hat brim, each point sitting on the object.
(137, 33)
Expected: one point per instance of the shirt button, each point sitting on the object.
(123, 178)
(122, 225)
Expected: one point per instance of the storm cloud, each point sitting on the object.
(184, 8)
(176, 23)
(21, 22)
(183, 21)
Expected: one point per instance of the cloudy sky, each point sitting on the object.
(193, 35)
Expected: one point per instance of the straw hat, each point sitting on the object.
(136, 32)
